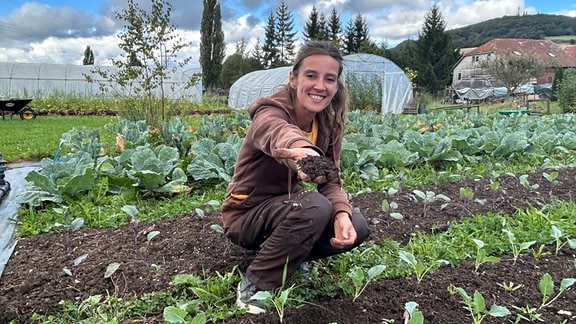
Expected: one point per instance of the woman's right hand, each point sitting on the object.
(295, 154)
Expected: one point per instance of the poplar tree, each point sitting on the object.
(212, 47)
(435, 54)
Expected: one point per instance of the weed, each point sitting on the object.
(527, 313)
(510, 286)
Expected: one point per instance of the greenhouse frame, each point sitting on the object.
(395, 86)
(39, 80)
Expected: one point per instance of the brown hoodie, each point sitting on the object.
(260, 176)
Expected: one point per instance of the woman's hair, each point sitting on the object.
(335, 116)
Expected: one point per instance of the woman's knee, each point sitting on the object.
(361, 227)
(317, 206)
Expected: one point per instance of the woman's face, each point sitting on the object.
(315, 83)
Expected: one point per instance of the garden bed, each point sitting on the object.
(34, 280)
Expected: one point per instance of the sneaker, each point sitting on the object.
(246, 290)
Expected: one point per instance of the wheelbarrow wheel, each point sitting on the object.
(27, 113)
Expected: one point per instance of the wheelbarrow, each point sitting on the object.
(17, 106)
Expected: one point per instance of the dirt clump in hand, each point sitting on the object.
(318, 166)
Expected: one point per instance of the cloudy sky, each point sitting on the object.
(58, 31)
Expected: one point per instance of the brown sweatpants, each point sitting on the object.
(293, 231)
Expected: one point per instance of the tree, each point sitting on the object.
(88, 56)
(315, 27)
(270, 42)
(147, 42)
(258, 55)
(513, 69)
(356, 34)
(237, 65)
(566, 93)
(435, 55)
(285, 27)
(558, 77)
(334, 29)
(212, 47)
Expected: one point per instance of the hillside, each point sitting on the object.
(538, 26)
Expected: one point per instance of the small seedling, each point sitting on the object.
(278, 298)
(526, 183)
(70, 228)
(481, 256)
(413, 315)
(557, 235)
(209, 206)
(476, 305)
(77, 262)
(428, 198)
(517, 248)
(466, 193)
(418, 267)
(389, 206)
(133, 218)
(144, 249)
(551, 176)
(546, 286)
(360, 280)
(510, 286)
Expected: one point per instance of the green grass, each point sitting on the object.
(32, 140)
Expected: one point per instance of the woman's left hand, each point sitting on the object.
(344, 232)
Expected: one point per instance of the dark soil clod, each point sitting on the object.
(317, 166)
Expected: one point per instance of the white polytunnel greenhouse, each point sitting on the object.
(19, 80)
(395, 86)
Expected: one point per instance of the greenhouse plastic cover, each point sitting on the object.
(42, 79)
(396, 87)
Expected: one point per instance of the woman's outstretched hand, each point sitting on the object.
(294, 155)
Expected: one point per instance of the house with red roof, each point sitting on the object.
(468, 72)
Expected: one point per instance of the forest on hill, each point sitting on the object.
(538, 26)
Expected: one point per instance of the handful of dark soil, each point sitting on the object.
(318, 166)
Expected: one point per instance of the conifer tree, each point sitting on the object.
(269, 48)
(435, 54)
(286, 34)
(313, 28)
(88, 56)
(356, 34)
(212, 47)
(333, 28)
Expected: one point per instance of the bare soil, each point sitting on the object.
(33, 280)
